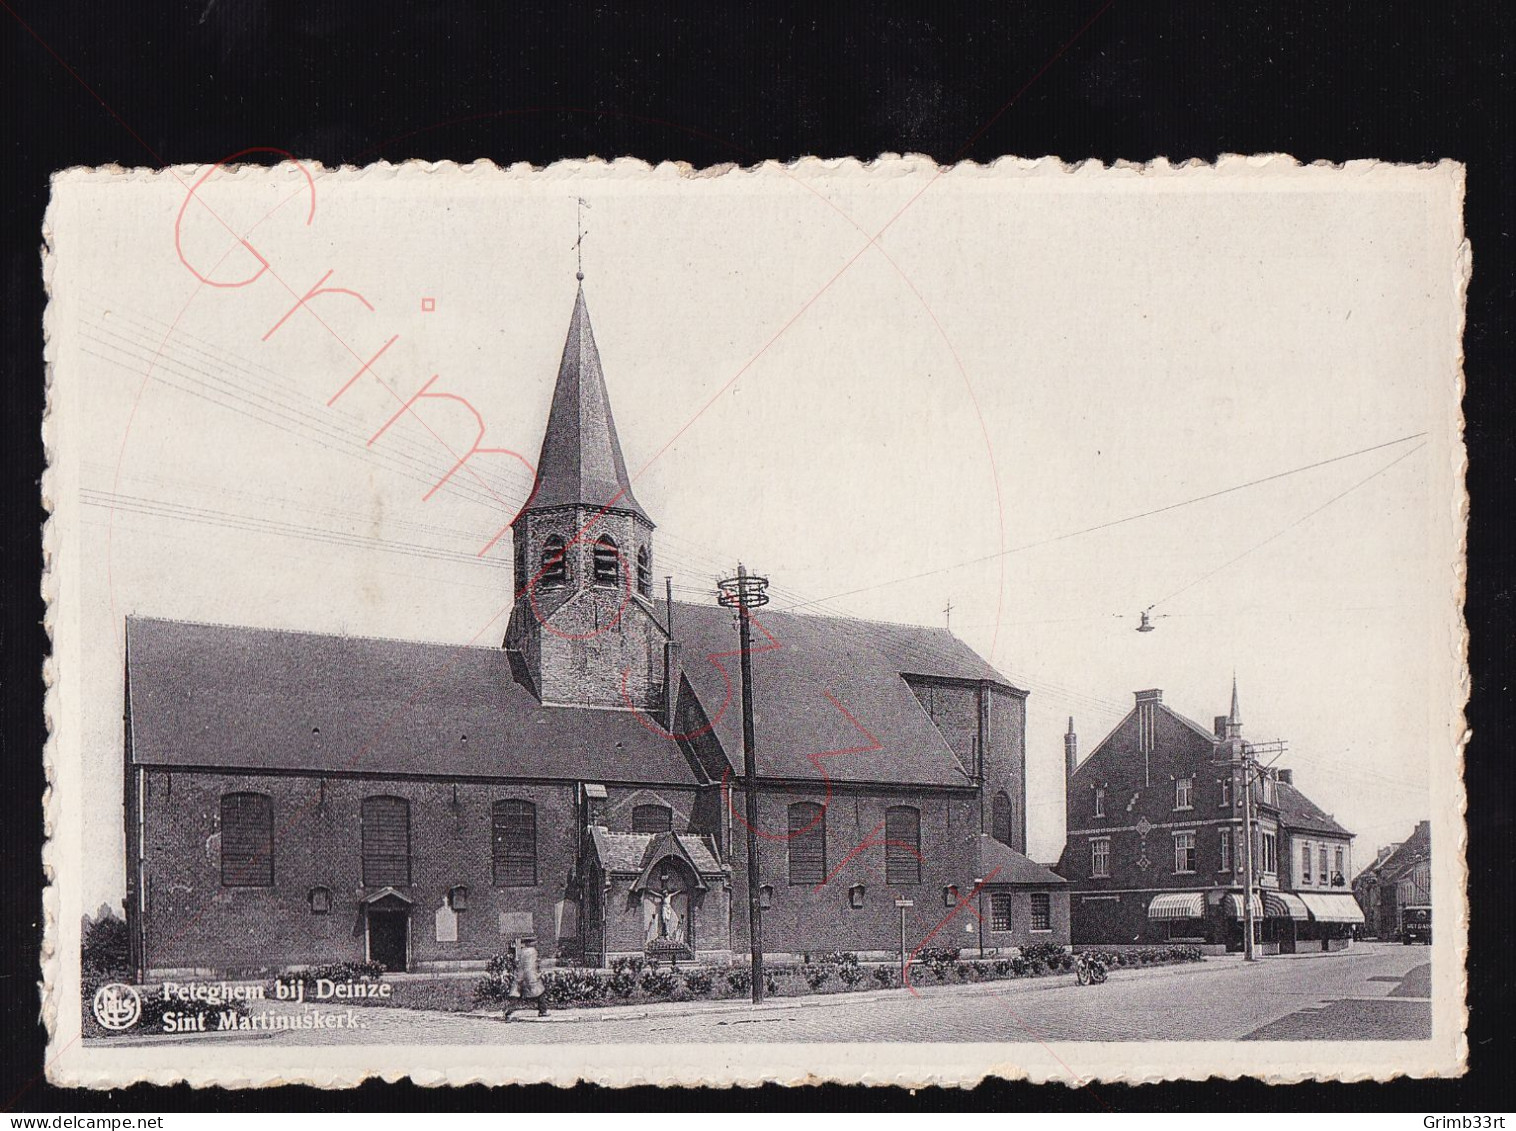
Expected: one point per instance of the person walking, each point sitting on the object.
(526, 983)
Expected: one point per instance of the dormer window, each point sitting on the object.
(607, 562)
(645, 573)
(554, 561)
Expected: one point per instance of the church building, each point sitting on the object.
(294, 799)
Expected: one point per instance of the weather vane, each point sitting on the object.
(579, 240)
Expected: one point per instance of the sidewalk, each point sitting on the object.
(1045, 984)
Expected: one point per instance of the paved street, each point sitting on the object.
(1375, 992)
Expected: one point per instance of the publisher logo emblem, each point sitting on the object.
(117, 1006)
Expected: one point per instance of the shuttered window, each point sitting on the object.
(652, 819)
(807, 843)
(247, 840)
(902, 845)
(514, 844)
(1000, 824)
(645, 573)
(607, 562)
(554, 561)
(386, 842)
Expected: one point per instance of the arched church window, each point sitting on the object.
(807, 843)
(902, 845)
(513, 845)
(247, 840)
(645, 573)
(1000, 822)
(386, 842)
(607, 563)
(652, 819)
(554, 561)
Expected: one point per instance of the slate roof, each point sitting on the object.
(253, 699)
(857, 663)
(628, 852)
(1416, 848)
(581, 460)
(1297, 811)
(1014, 868)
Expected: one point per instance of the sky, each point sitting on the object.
(1008, 401)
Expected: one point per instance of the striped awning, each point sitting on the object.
(1337, 908)
(1234, 903)
(1283, 905)
(1178, 905)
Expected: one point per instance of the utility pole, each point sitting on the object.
(744, 593)
(1247, 840)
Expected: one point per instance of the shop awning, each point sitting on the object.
(1338, 908)
(1178, 905)
(1283, 905)
(1234, 903)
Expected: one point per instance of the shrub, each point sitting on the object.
(815, 976)
(740, 980)
(623, 981)
(105, 951)
(1039, 968)
(1041, 952)
(1002, 966)
(659, 983)
(851, 974)
(698, 982)
(886, 976)
(1020, 967)
(939, 960)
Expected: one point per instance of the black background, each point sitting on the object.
(168, 82)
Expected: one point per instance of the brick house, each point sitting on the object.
(1400, 877)
(1155, 852)
(297, 798)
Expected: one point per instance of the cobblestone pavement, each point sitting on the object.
(1336, 996)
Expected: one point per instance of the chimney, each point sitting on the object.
(1070, 751)
(1220, 726)
(1151, 696)
(1287, 776)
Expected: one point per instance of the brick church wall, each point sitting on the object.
(190, 915)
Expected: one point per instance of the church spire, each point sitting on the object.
(1236, 716)
(581, 462)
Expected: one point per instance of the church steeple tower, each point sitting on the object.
(581, 462)
(584, 553)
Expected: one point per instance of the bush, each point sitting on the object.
(740, 980)
(1041, 952)
(623, 981)
(939, 960)
(815, 976)
(1002, 966)
(698, 982)
(886, 976)
(105, 951)
(659, 983)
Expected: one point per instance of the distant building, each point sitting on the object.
(1155, 850)
(1400, 877)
